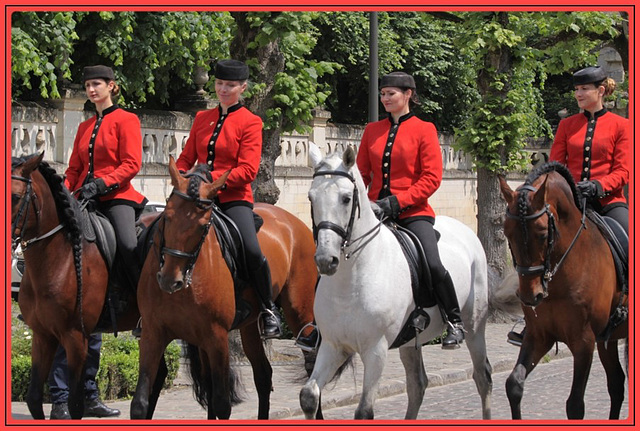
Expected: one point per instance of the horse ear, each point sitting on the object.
(315, 156)
(176, 178)
(508, 194)
(32, 164)
(211, 190)
(540, 196)
(349, 157)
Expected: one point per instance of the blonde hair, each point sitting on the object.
(609, 86)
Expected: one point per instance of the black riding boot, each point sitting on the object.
(446, 294)
(271, 321)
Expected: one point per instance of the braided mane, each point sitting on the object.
(560, 169)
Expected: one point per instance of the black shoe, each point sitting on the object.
(270, 324)
(454, 337)
(60, 411)
(309, 343)
(95, 408)
(515, 338)
(137, 332)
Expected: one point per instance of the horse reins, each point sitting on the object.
(345, 233)
(205, 204)
(545, 269)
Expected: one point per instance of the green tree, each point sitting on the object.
(513, 55)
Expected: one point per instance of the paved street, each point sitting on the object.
(451, 395)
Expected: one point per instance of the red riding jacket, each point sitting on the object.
(404, 160)
(596, 149)
(115, 154)
(226, 142)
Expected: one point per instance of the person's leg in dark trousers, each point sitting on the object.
(619, 214)
(59, 379)
(441, 280)
(123, 220)
(258, 269)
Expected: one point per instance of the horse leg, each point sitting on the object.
(262, 371)
(309, 363)
(161, 376)
(529, 356)
(42, 350)
(374, 360)
(608, 353)
(582, 360)
(417, 380)
(151, 356)
(223, 380)
(481, 367)
(329, 359)
(75, 346)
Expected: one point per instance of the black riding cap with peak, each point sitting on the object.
(588, 75)
(232, 70)
(397, 79)
(98, 72)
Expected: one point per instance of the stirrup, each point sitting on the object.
(306, 347)
(457, 343)
(261, 325)
(515, 338)
(137, 331)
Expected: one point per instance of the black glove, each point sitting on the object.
(389, 206)
(93, 188)
(588, 189)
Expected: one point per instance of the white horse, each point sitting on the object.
(363, 301)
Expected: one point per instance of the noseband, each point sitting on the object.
(545, 269)
(205, 204)
(345, 233)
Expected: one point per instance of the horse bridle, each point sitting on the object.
(205, 204)
(344, 233)
(545, 269)
(17, 233)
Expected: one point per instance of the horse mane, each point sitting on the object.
(560, 169)
(196, 176)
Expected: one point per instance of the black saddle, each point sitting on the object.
(97, 228)
(233, 251)
(421, 285)
(618, 241)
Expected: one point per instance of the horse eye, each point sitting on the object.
(15, 199)
(346, 199)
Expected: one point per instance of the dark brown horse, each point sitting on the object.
(64, 287)
(567, 285)
(186, 291)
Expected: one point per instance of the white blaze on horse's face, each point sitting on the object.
(331, 199)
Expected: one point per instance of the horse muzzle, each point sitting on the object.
(531, 297)
(170, 284)
(327, 264)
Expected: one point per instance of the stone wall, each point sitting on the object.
(51, 128)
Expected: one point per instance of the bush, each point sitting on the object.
(118, 373)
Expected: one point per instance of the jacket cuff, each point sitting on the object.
(600, 193)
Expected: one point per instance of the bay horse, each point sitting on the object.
(64, 286)
(363, 300)
(186, 292)
(567, 284)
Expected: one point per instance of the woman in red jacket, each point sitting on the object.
(595, 145)
(401, 163)
(229, 137)
(106, 155)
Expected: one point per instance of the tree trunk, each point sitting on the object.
(491, 211)
(270, 62)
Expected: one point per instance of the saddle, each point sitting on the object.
(97, 228)
(618, 242)
(233, 252)
(424, 297)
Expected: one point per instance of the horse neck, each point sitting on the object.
(43, 215)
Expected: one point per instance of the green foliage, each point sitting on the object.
(41, 48)
(513, 53)
(118, 373)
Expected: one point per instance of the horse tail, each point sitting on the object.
(203, 384)
(503, 302)
(346, 364)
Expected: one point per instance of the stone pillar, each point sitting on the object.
(71, 114)
(319, 128)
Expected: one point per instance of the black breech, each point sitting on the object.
(426, 234)
(619, 214)
(123, 220)
(243, 218)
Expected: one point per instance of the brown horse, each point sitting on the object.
(186, 291)
(567, 285)
(64, 287)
